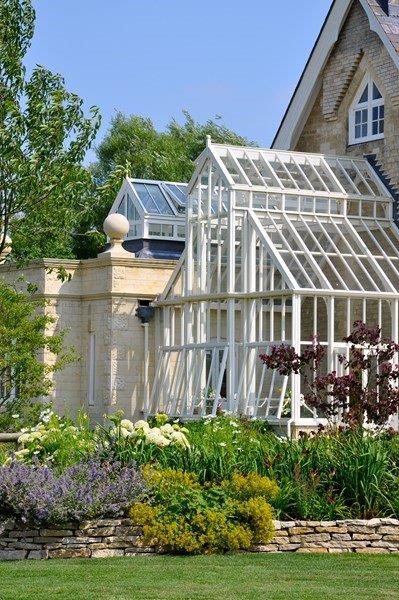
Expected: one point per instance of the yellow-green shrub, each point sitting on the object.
(183, 516)
(248, 486)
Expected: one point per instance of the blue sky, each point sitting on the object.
(238, 59)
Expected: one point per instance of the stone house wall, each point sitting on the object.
(357, 51)
(120, 537)
(99, 302)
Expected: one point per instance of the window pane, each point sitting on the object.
(364, 130)
(167, 230)
(122, 207)
(181, 231)
(376, 93)
(358, 117)
(365, 96)
(375, 113)
(154, 229)
(381, 126)
(375, 127)
(357, 131)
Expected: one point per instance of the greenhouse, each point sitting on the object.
(280, 247)
(155, 211)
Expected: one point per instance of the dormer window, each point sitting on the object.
(367, 113)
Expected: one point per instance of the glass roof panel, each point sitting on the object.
(152, 198)
(299, 171)
(178, 192)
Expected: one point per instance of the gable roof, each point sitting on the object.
(383, 16)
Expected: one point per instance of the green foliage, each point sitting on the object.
(133, 146)
(57, 440)
(23, 334)
(44, 135)
(181, 515)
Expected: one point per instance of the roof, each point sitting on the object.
(383, 16)
(160, 197)
(387, 14)
(324, 223)
(276, 171)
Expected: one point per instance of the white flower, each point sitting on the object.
(166, 429)
(24, 438)
(180, 439)
(124, 432)
(223, 444)
(233, 424)
(16, 416)
(155, 437)
(142, 425)
(126, 424)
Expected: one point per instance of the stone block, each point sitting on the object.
(391, 538)
(265, 548)
(367, 537)
(70, 553)
(97, 545)
(37, 555)
(128, 530)
(58, 533)
(332, 529)
(288, 547)
(142, 550)
(372, 551)
(387, 530)
(312, 550)
(23, 533)
(102, 523)
(301, 530)
(107, 553)
(6, 525)
(12, 554)
(340, 536)
(281, 540)
(96, 532)
(310, 537)
(79, 540)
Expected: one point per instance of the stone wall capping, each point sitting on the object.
(121, 537)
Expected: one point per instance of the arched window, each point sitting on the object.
(367, 113)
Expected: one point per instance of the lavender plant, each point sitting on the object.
(90, 489)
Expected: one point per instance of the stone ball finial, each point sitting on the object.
(116, 226)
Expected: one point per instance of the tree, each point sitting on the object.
(44, 135)
(133, 146)
(367, 392)
(150, 154)
(23, 337)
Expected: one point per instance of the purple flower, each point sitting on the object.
(87, 490)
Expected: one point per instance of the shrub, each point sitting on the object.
(181, 515)
(86, 490)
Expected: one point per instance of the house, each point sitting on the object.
(347, 99)
(280, 244)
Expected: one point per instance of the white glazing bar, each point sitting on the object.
(372, 260)
(296, 343)
(231, 375)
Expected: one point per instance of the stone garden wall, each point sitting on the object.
(110, 537)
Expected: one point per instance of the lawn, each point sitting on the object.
(244, 576)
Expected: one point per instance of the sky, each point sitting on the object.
(238, 59)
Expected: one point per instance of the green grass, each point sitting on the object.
(243, 576)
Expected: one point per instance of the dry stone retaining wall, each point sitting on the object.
(119, 537)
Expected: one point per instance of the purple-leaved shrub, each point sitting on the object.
(87, 490)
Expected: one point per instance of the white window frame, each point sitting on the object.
(368, 106)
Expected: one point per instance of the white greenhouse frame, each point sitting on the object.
(280, 246)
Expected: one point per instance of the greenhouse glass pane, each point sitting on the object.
(177, 192)
(161, 203)
(146, 198)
